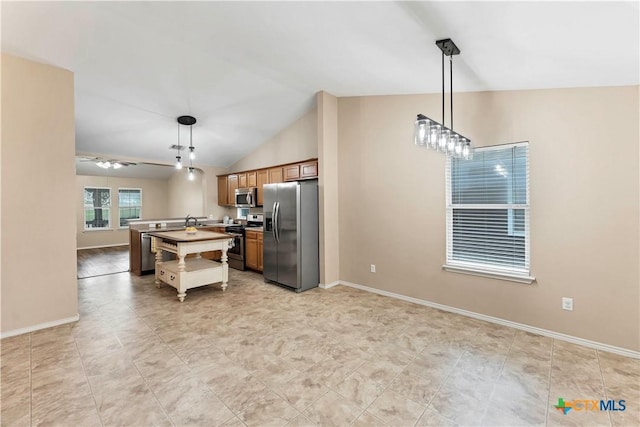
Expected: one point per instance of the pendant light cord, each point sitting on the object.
(443, 88)
(451, 87)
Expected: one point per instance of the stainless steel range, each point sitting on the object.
(235, 254)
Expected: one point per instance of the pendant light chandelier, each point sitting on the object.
(187, 121)
(431, 134)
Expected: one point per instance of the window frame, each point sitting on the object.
(520, 275)
(84, 209)
(119, 207)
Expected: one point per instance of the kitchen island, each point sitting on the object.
(142, 259)
(183, 273)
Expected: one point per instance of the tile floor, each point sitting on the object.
(260, 355)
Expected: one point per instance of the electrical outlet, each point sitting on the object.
(567, 303)
(373, 268)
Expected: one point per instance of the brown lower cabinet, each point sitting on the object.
(253, 249)
(260, 252)
(135, 255)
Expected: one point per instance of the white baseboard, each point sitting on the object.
(103, 246)
(534, 330)
(329, 285)
(40, 326)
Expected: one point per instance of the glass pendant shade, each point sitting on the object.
(467, 151)
(178, 162)
(421, 130)
(443, 140)
(458, 149)
(434, 132)
(192, 153)
(191, 174)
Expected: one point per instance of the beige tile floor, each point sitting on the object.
(261, 355)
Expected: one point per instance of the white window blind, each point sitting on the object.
(488, 211)
(129, 205)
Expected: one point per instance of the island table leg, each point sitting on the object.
(225, 267)
(158, 262)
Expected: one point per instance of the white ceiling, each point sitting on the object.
(246, 70)
(88, 166)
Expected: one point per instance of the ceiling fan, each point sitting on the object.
(107, 163)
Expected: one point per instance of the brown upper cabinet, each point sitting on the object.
(227, 184)
(242, 180)
(275, 175)
(232, 187)
(291, 172)
(262, 178)
(252, 179)
(223, 191)
(309, 170)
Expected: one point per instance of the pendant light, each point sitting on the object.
(187, 121)
(431, 134)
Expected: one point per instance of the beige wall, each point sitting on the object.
(210, 185)
(584, 148)
(154, 205)
(38, 215)
(186, 197)
(299, 141)
(328, 187)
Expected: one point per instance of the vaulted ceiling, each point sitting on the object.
(246, 70)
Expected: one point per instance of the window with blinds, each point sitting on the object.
(129, 205)
(488, 211)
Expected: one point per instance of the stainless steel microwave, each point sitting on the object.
(246, 197)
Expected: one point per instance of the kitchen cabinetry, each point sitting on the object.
(309, 170)
(231, 189)
(242, 180)
(260, 252)
(275, 175)
(252, 180)
(291, 172)
(262, 178)
(135, 253)
(227, 184)
(223, 191)
(253, 245)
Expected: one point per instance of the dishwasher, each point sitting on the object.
(148, 258)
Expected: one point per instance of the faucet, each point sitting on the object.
(189, 218)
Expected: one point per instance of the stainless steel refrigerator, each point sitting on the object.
(291, 234)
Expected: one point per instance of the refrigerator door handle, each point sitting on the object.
(275, 220)
(278, 224)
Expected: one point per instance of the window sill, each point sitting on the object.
(91, 230)
(492, 274)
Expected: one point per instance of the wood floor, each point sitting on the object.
(101, 261)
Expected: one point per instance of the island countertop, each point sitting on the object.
(183, 236)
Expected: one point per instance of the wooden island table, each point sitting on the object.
(189, 273)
